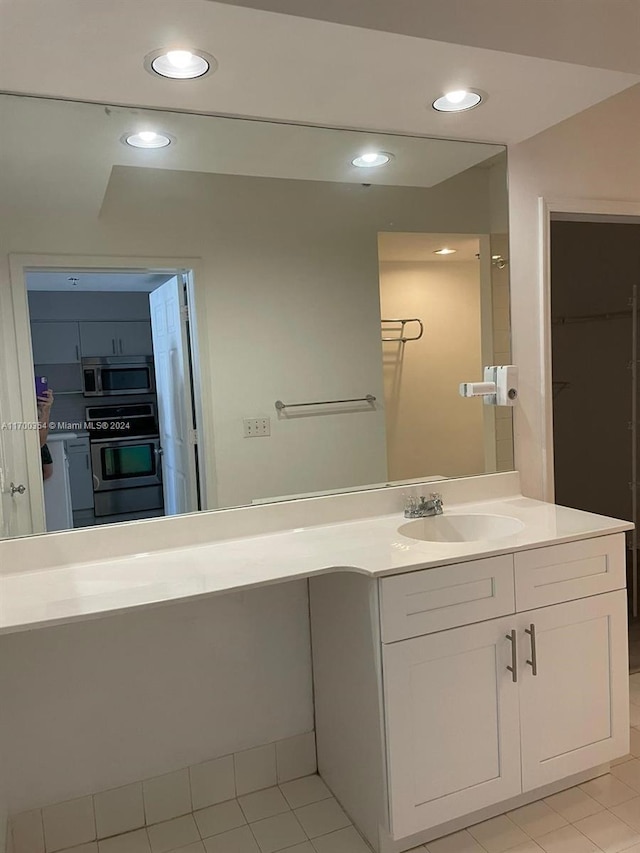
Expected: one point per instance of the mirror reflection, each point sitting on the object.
(241, 315)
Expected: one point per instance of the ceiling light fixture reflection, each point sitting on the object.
(457, 101)
(147, 139)
(180, 64)
(371, 159)
(445, 251)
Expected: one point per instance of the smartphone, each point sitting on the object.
(42, 386)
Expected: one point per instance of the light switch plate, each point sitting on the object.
(256, 427)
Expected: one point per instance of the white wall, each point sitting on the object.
(95, 705)
(501, 334)
(430, 428)
(593, 155)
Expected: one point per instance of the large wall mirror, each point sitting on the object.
(241, 315)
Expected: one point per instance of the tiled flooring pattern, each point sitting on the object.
(300, 816)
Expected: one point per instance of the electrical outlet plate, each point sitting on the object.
(256, 427)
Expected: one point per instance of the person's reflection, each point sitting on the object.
(45, 401)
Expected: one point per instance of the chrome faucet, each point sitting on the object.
(422, 508)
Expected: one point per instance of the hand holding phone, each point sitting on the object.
(42, 386)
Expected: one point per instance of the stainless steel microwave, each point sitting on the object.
(115, 375)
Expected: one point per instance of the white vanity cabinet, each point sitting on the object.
(480, 701)
(452, 724)
(574, 713)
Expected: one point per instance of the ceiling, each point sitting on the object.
(305, 70)
(62, 155)
(91, 282)
(597, 33)
(408, 247)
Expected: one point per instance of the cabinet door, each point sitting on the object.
(55, 343)
(574, 714)
(134, 338)
(453, 739)
(80, 475)
(99, 339)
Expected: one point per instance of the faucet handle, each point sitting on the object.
(436, 496)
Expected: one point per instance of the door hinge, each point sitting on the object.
(194, 436)
(184, 312)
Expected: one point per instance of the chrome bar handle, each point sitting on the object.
(533, 663)
(513, 669)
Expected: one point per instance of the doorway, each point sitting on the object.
(595, 272)
(113, 351)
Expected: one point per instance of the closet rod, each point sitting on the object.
(588, 318)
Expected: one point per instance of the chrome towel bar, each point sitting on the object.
(402, 338)
(368, 399)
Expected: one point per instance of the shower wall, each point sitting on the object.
(593, 269)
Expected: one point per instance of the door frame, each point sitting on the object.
(581, 210)
(19, 266)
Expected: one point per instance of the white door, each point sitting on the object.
(4, 493)
(574, 714)
(173, 386)
(452, 724)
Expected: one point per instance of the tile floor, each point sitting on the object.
(300, 816)
(303, 817)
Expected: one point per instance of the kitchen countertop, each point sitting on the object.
(370, 546)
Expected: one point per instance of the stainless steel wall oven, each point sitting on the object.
(125, 458)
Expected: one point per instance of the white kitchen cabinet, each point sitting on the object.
(453, 732)
(80, 475)
(134, 338)
(573, 713)
(425, 724)
(100, 339)
(55, 342)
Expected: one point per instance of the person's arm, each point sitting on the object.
(47, 462)
(44, 413)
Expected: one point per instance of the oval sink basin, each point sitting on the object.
(461, 528)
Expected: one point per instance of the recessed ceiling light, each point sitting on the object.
(147, 139)
(180, 64)
(457, 101)
(371, 159)
(445, 251)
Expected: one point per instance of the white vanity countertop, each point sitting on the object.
(371, 546)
